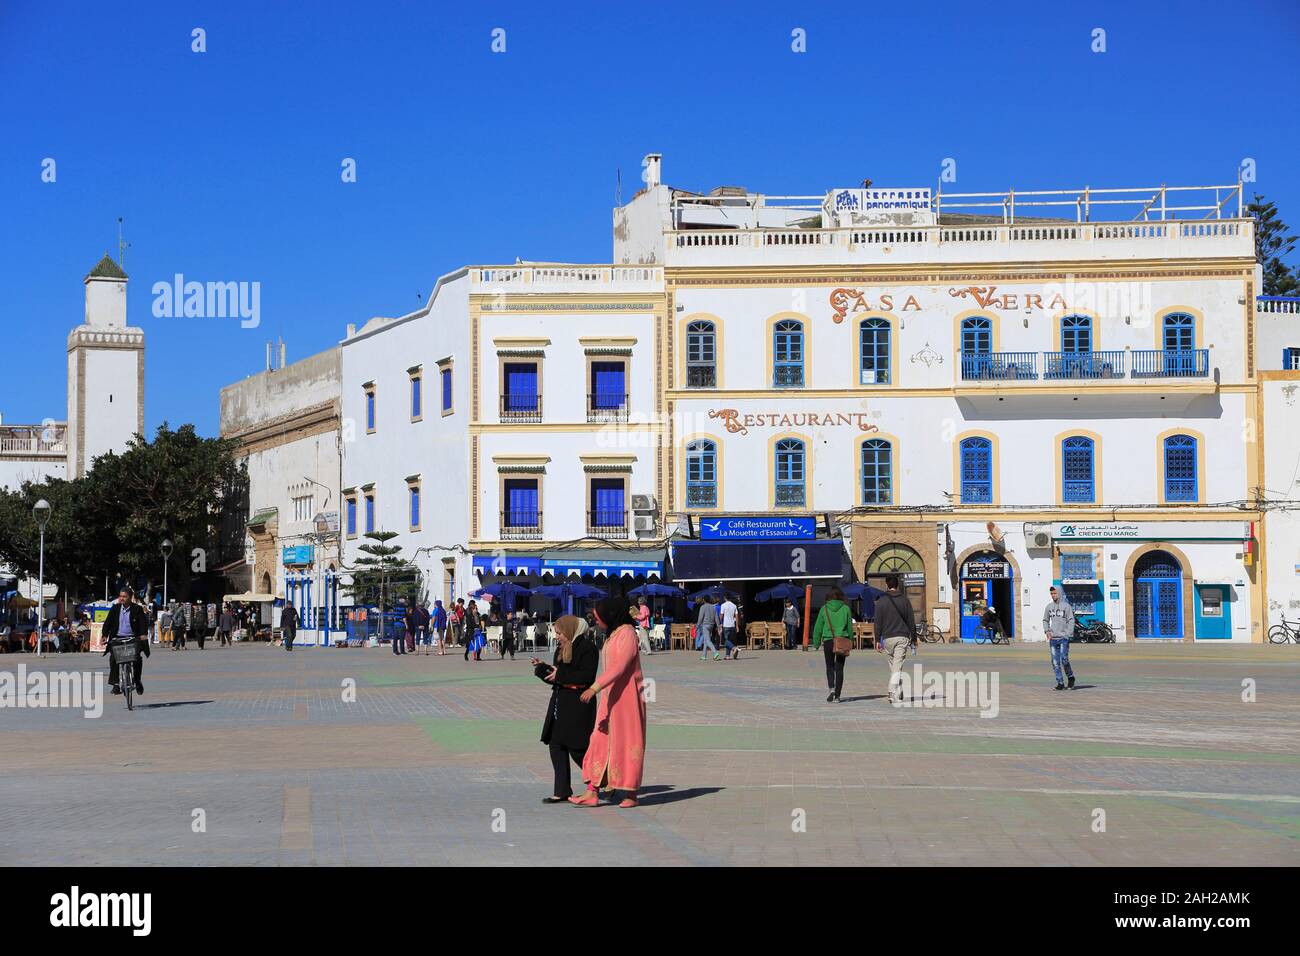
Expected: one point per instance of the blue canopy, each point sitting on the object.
(780, 592)
(567, 591)
(864, 593)
(504, 591)
(656, 590)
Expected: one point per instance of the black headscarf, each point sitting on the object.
(614, 612)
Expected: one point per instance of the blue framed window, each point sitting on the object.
(522, 498)
(702, 474)
(370, 409)
(352, 516)
(873, 351)
(1078, 471)
(976, 471)
(1180, 468)
(790, 472)
(1078, 567)
(417, 399)
(701, 355)
(787, 354)
(370, 513)
(607, 506)
(521, 387)
(977, 335)
(445, 376)
(1179, 332)
(1076, 333)
(1291, 359)
(877, 472)
(413, 493)
(608, 385)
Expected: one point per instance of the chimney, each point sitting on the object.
(269, 358)
(352, 329)
(651, 166)
(282, 362)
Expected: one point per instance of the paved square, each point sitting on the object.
(437, 762)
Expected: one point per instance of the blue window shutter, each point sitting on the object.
(446, 389)
(415, 507)
(521, 387)
(352, 516)
(608, 386)
(370, 410)
(415, 397)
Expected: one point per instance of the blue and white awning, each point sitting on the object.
(499, 565)
(604, 564)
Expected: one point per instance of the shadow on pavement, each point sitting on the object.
(171, 703)
(653, 796)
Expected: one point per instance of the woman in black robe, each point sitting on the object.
(569, 721)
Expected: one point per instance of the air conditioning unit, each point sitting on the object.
(644, 503)
(1038, 535)
(644, 523)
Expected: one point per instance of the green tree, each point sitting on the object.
(113, 520)
(1272, 244)
(381, 576)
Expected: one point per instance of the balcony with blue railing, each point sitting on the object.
(701, 494)
(998, 366)
(1083, 365)
(1171, 363)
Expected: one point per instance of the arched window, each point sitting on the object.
(787, 354)
(873, 350)
(877, 472)
(790, 473)
(1076, 333)
(702, 474)
(1179, 332)
(894, 558)
(701, 355)
(1180, 469)
(976, 471)
(1078, 472)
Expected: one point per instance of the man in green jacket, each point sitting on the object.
(833, 620)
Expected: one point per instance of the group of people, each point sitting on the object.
(596, 719)
(196, 621)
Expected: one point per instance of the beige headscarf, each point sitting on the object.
(572, 628)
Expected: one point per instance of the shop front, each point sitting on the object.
(609, 570)
(987, 582)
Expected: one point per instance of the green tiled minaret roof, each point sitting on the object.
(106, 268)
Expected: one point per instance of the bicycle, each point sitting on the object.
(1092, 632)
(928, 633)
(126, 653)
(1285, 632)
(984, 634)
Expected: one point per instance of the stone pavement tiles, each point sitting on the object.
(435, 760)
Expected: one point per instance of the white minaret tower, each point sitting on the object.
(105, 372)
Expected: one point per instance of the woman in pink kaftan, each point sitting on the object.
(616, 753)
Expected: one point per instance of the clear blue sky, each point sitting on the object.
(226, 164)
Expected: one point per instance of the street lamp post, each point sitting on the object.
(41, 512)
(166, 553)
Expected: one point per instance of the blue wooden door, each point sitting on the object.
(1158, 597)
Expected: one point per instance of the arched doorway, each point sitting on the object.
(896, 558)
(1158, 596)
(266, 584)
(987, 580)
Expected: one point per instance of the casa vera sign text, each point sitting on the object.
(845, 302)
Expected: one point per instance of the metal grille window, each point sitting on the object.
(790, 473)
(701, 355)
(787, 354)
(877, 472)
(873, 351)
(1180, 468)
(702, 474)
(1077, 472)
(976, 471)
(1077, 567)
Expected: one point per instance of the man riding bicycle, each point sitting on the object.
(126, 621)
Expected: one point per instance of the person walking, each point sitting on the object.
(895, 628)
(615, 758)
(288, 624)
(1058, 622)
(422, 620)
(727, 615)
(475, 638)
(508, 636)
(180, 625)
(641, 614)
(439, 622)
(706, 625)
(790, 618)
(831, 633)
(569, 719)
(225, 626)
(199, 622)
